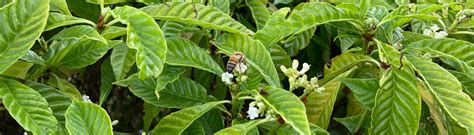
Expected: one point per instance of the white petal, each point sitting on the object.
(295, 64)
(441, 34)
(434, 27)
(427, 32)
(241, 68)
(227, 78)
(252, 112)
(305, 68)
(86, 98)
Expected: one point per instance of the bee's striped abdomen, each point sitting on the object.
(235, 59)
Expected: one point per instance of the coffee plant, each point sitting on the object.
(228, 67)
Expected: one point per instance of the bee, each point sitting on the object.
(234, 60)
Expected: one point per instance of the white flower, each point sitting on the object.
(86, 98)
(320, 89)
(261, 105)
(295, 64)
(305, 68)
(252, 112)
(241, 67)
(114, 122)
(434, 27)
(283, 69)
(427, 32)
(441, 34)
(227, 78)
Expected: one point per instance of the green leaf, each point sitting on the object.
(27, 107)
(145, 36)
(111, 32)
(183, 52)
(309, 15)
(77, 52)
(57, 100)
(352, 122)
(397, 104)
(274, 29)
(255, 54)
(122, 59)
(144, 89)
(66, 87)
(466, 81)
(32, 57)
(204, 16)
(19, 69)
(22, 23)
(177, 122)
(288, 106)
(241, 129)
(76, 32)
(298, 42)
(447, 93)
(106, 1)
(174, 29)
(56, 20)
(87, 118)
(260, 13)
(279, 57)
(151, 111)
(319, 106)
(186, 91)
(457, 48)
(342, 63)
(195, 129)
(364, 90)
(169, 74)
(435, 112)
(59, 5)
(221, 4)
(106, 79)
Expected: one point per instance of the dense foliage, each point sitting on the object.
(161, 67)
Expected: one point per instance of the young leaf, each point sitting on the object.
(288, 106)
(447, 93)
(145, 36)
(260, 13)
(183, 52)
(197, 14)
(22, 23)
(122, 59)
(364, 90)
(397, 103)
(56, 20)
(27, 107)
(255, 55)
(177, 122)
(87, 118)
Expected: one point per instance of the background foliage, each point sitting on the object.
(157, 67)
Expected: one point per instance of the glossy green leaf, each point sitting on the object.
(204, 16)
(279, 57)
(59, 5)
(111, 32)
(309, 15)
(298, 42)
(260, 13)
(174, 29)
(397, 103)
(183, 52)
(22, 23)
(289, 107)
(221, 4)
(447, 93)
(435, 112)
(56, 20)
(169, 74)
(106, 1)
(241, 129)
(27, 107)
(66, 87)
(195, 129)
(319, 106)
(76, 32)
(77, 52)
(274, 29)
(144, 89)
(364, 90)
(342, 63)
(177, 122)
(460, 49)
(151, 111)
(106, 79)
(87, 118)
(255, 55)
(353, 123)
(466, 81)
(186, 91)
(145, 36)
(19, 69)
(32, 57)
(122, 59)
(57, 100)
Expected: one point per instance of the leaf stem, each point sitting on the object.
(112, 22)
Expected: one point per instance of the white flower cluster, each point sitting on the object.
(299, 78)
(433, 32)
(86, 98)
(257, 108)
(227, 77)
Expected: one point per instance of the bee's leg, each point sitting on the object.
(195, 10)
